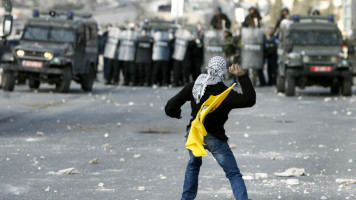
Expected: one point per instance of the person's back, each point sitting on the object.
(215, 141)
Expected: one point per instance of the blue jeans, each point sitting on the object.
(224, 156)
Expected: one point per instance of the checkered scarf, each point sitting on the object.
(216, 71)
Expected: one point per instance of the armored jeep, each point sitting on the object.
(310, 53)
(55, 48)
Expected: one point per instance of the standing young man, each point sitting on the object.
(215, 141)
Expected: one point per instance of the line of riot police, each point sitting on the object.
(152, 55)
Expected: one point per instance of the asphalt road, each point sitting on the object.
(141, 153)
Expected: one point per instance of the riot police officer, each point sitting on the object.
(111, 57)
(197, 57)
(253, 19)
(217, 20)
(182, 57)
(102, 43)
(144, 58)
(127, 51)
(270, 54)
(284, 14)
(160, 57)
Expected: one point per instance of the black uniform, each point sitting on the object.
(270, 52)
(102, 42)
(216, 21)
(160, 62)
(144, 59)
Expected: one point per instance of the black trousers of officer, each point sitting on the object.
(105, 68)
(196, 67)
(181, 72)
(129, 71)
(113, 71)
(160, 70)
(144, 73)
(272, 69)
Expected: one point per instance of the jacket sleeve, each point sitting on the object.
(213, 22)
(173, 106)
(248, 96)
(227, 22)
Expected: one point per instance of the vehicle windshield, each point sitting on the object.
(49, 34)
(316, 38)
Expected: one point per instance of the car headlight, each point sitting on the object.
(305, 58)
(48, 55)
(294, 55)
(20, 53)
(333, 59)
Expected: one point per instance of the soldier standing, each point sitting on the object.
(144, 58)
(160, 57)
(253, 19)
(181, 56)
(198, 53)
(102, 43)
(218, 19)
(111, 54)
(284, 14)
(270, 53)
(127, 50)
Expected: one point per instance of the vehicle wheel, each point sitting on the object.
(64, 85)
(8, 80)
(335, 88)
(34, 84)
(346, 88)
(280, 83)
(87, 80)
(290, 83)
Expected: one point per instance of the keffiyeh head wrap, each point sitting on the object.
(216, 70)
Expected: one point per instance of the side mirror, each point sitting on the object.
(7, 25)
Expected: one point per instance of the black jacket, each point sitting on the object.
(214, 122)
(216, 21)
(250, 22)
(282, 17)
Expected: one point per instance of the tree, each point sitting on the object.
(275, 11)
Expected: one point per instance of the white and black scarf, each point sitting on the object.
(216, 71)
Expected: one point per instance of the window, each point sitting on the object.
(48, 34)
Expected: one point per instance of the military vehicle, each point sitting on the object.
(56, 47)
(310, 53)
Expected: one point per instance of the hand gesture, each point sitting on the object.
(236, 70)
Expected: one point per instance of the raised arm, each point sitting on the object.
(248, 96)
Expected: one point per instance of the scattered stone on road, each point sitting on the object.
(94, 161)
(291, 172)
(68, 171)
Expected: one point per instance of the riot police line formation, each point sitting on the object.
(162, 57)
(151, 57)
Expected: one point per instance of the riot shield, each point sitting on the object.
(127, 47)
(181, 43)
(144, 49)
(111, 44)
(214, 45)
(252, 48)
(161, 46)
